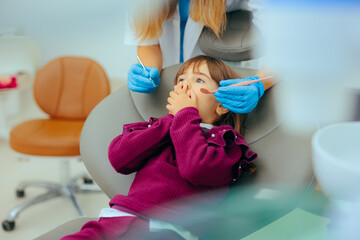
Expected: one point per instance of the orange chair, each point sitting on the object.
(67, 89)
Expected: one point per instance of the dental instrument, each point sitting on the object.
(143, 66)
(245, 83)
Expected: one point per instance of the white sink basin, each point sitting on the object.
(336, 159)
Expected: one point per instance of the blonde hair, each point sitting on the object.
(218, 71)
(147, 23)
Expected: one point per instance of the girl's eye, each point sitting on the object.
(200, 80)
(180, 80)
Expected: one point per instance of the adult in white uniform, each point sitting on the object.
(179, 41)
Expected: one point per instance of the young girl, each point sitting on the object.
(180, 160)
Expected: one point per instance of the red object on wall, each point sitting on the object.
(9, 84)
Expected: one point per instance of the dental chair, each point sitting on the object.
(284, 174)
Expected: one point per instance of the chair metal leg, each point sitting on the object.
(79, 176)
(86, 188)
(76, 203)
(42, 184)
(68, 188)
(46, 196)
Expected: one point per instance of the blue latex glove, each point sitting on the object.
(239, 99)
(139, 79)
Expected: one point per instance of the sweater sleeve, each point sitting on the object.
(210, 159)
(129, 151)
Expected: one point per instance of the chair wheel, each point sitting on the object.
(20, 193)
(8, 225)
(88, 180)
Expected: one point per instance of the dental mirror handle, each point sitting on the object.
(142, 65)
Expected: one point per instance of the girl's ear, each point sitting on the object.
(220, 110)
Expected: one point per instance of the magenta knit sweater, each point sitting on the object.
(174, 159)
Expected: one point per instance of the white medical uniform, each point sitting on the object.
(170, 39)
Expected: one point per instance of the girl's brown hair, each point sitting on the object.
(218, 71)
(147, 22)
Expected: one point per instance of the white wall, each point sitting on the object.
(92, 28)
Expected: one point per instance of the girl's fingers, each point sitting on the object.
(173, 94)
(181, 87)
(168, 107)
(192, 95)
(171, 100)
